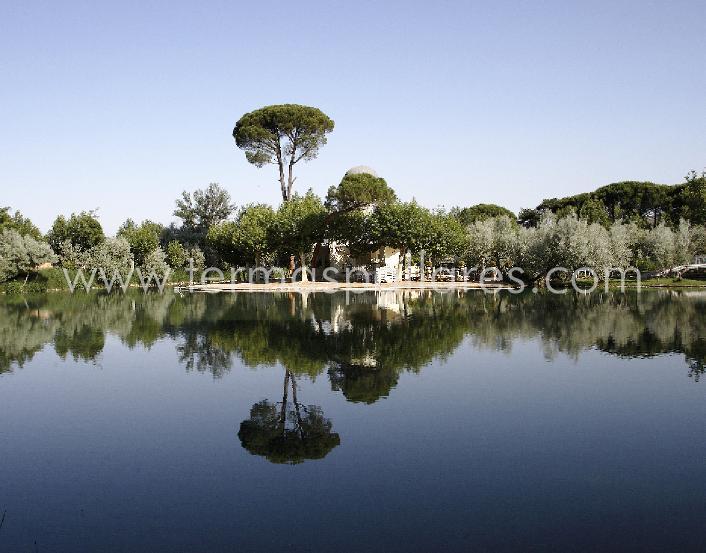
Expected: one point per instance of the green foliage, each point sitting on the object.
(480, 212)
(22, 255)
(446, 237)
(403, 225)
(284, 135)
(299, 223)
(593, 210)
(668, 248)
(357, 191)
(196, 257)
(204, 208)
(494, 242)
(156, 263)
(254, 231)
(529, 217)
(143, 238)
(82, 231)
(176, 254)
(111, 255)
(19, 223)
(694, 198)
(221, 239)
(645, 203)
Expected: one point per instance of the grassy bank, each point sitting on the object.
(54, 280)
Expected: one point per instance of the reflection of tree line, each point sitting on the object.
(363, 346)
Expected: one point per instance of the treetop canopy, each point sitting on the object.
(260, 133)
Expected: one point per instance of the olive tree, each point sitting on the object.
(283, 135)
(21, 255)
(493, 241)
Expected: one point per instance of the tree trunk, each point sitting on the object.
(280, 164)
(302, 266)
(290, 182)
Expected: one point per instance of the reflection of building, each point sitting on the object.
(382, 264)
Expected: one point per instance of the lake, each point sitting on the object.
(388, 421)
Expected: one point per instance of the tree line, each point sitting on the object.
(630, 223)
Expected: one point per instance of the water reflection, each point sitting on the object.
(362, 342)
(288, 433)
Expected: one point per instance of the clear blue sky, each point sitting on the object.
(122, 105)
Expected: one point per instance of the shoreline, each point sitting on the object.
(335, 286)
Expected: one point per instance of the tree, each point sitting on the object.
(494, 242)
(447, 237)
(594, 211)
(284, 135)
(21, 255)
(176, 254)
(143, 238)
(402, 225)
(156, 263)
(254, 232)
(19, 223)
(694, 198)
(480, 212)
(221, 239)
(357, 191)
(111, 256)
(204, 208)
(250, 237)
(568, 242)
(83, 231)
(661, 246)
(299, 225)
(529, 217)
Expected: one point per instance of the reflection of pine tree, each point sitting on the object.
(290, 433)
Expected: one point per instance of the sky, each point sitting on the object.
(119, 106)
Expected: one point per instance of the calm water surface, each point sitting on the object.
(370, 422)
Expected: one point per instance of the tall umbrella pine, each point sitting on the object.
(282, 135)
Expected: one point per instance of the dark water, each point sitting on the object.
(390, 422)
